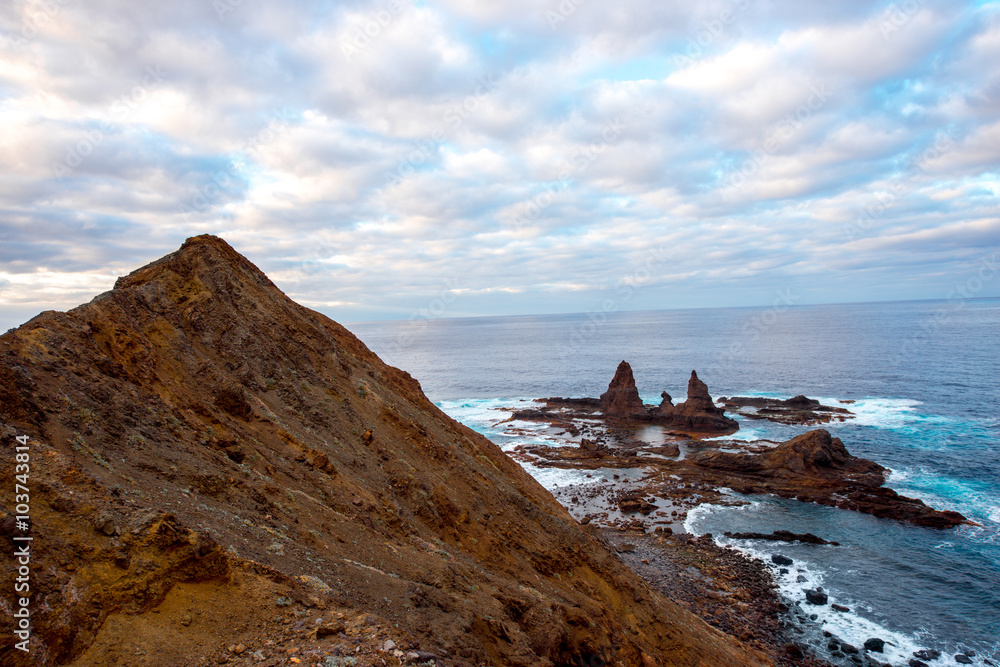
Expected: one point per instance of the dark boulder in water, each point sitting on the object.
(778, 559)
(875, 644)
(927, 654)
(817, 597)
(782, 536)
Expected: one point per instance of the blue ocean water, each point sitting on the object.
(924, 378)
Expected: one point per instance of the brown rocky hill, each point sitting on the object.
(222, 476)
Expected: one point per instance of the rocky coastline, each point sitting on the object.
(224, 477)
(663, 467)
(685, 462)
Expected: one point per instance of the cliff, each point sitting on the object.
(220, 475)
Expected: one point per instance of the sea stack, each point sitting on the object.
(699, 412)
(622, 398)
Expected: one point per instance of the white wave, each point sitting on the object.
(480, 411)
(898, 476)
(553, 478)
(695, 516)
(974, 500)
(849, 627)
(887, 413)
(746, 433)
(995, 515)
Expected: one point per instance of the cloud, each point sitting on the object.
(366, 153)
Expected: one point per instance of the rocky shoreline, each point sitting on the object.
(728, 589)
(684, 460)
(796, 410)
(660, 468)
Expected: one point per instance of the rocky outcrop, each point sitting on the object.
(797, 410)
(816, 467)
(782, 536)
(217, 473)
(621, 400)
(622, 406)
(698, 414)
(813, 467)
(813, 457)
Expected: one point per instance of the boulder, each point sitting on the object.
(875, 644)
(801, 401)
(782, 536)
(811, 455)
(817, 597)
(927, 654)
(635, 504)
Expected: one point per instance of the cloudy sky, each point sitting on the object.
(382, 159)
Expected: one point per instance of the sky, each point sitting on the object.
(397, 159)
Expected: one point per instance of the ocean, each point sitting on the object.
(924, 378)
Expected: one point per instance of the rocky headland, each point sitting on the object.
(219, 475)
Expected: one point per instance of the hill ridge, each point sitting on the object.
(204, 445)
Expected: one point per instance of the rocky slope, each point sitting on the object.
(221, 476)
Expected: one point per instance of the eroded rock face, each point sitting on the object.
(195, 432)
(817, 467)
(622, 398)
(812, 456)
(699, 412)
